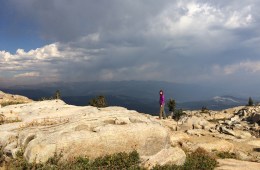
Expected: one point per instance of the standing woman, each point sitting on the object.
(162, 103)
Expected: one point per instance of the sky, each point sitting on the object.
(184, 41)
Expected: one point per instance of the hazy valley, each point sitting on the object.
(136, 95)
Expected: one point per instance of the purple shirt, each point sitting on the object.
(162, 100)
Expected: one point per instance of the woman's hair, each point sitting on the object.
(161, 91)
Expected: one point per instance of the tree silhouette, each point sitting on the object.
(100, 101)
(250, 102)
(171, 105)
(57, 94)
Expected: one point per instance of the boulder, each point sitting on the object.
(227, 131)
(243, 156)
(177, 137)
(52, 126)
(195, 122)
(147, 139)
(236, 133)
(235, 118)
(171, 155)
(255, 118)
(7, 137)
(9, 98)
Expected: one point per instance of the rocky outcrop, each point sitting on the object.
(52, 126)
(194, 122)
(255, 118)
(43, 128)
(218, 145)
(166, 156)
(250, 113)
(6, 99)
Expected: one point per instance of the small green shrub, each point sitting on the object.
(57, 95)
(100, 101)
(226, 155)
(2, 158)
(204, 109)
(171, 105)
(81, 163)
(116, 161)
(46, 98)
(167, 167)
(200, 160)
(178, 114)
(120, 160)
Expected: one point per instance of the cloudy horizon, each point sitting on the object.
(198, 41)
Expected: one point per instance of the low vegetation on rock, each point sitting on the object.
(226, 155)
(89, 137)
(4, 120)
(3, 104)
(2, 159)
(197, 160)
(178, 114)
(115, 161)
(99, 101)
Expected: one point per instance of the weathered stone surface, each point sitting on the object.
(232, 164)
(171, 155)
(107, 139)
(4, 97)
(218, 145)
(254, 143)
(243, 156)
(177, 137)
(7, 137)
(53, 126)
(227, 131)
(243, 134)
(195, 122)
(236, 133)
(197, 132)
(223, 136)
(255, 118)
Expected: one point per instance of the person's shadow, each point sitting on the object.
(256, 149)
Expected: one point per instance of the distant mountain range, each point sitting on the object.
(136, 95)
(216, 103)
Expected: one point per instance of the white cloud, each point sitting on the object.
(243, 66)
(45, 63)
(28, 74)
(196, 18)
(138, 40)
(240, 19)
(91, 38)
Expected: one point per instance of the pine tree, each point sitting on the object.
(57, 94)
(100, 101)
(250, 102)
(171, 105)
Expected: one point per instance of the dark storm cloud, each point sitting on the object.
(184, 41)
